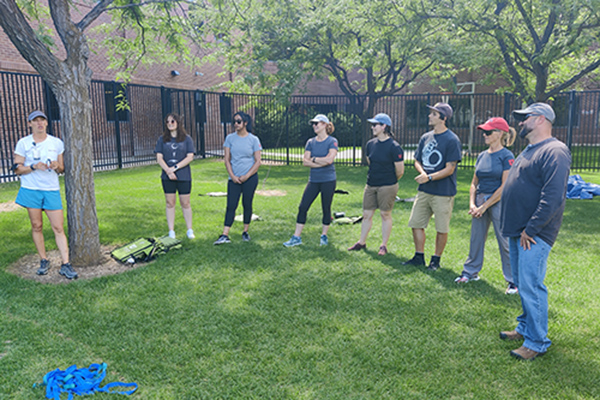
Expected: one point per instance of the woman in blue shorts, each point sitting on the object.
(386, 167)
(174, 152)
(491, 171)
(319, 155)
(38, 160)
(242, 160)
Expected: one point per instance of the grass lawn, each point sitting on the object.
(260, 321)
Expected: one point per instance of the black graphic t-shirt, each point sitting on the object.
(434, 152)
(173, 152)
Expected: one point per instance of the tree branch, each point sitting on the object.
(90, 17)
(26, 41)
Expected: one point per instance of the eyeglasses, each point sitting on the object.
(237, 121)
(531, 115)
(376, 124)
(313, 123)
(488, 133)
(171, 121)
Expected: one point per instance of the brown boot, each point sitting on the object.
(510, 335)
(523, 353)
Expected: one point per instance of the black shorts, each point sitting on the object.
(183, 187)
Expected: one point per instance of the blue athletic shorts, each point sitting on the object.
(39, 199)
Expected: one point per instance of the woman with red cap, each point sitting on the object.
(491, 170)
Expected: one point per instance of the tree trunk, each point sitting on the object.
(73, 97)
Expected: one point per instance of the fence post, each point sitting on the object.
(571, 118)
(117, 127)
(287, 135)
(507, 103)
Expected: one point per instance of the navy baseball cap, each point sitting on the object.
(36, 114)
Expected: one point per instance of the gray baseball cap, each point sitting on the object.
(381, 118)
(443, 108)
(319, 118)
(36, 114)
(535, 109)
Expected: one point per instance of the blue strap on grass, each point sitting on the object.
(81, 382)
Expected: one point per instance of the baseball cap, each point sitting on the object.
(36, 114)
(381, 118)
(536, 109)
(496, 123)
(442, 108)
(319, 118)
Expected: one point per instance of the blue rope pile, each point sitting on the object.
(81, 382)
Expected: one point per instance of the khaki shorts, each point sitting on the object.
(427, 205)
(380, 197)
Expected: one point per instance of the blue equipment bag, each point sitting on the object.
(81, 382)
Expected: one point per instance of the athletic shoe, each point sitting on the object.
(324, 240)
(222, 240)
(466, 279)
(294, 241)
(433, 266)
(245, 237)
(67, 271)
(510, 335)
(190, 234)
(44, 267)
(416, 261)
(382, 250)
(357, 246)
(172, 234)
(511, 289)
(523, 353)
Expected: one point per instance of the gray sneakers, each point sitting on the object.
(67, 271)
(44, 267)
(294, 241)
(222, 240)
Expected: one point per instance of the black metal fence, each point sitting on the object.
(126, 137)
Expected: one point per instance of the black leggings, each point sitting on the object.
(310, 194)
(234, 190)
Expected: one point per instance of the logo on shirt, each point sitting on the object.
(511, 161)
(431, 156)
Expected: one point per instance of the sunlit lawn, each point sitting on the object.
(260, 321)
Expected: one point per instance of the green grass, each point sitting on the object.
(260, 321)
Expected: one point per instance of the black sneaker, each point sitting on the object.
(433, 265)
(222, 240)
(416, 261)
(44, 267)
(67, 271)
(245, 237)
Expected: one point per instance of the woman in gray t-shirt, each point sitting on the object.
(319, 155)
(491, 171)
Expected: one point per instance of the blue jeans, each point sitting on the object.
(529, 271)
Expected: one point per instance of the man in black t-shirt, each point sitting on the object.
(437, 155)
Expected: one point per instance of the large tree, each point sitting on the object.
(275, 45)
(541, 47)
(70, 77)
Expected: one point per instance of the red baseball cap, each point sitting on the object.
(496, 123)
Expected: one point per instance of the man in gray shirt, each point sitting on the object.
(533, 201)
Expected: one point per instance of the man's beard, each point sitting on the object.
(525, 131)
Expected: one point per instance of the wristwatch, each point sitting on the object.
(31, 166)
(175, 167)
(430, 178)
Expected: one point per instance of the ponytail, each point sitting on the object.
(508, 138)
(329, 128)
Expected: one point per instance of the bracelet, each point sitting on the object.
(314, 158)
(31, 166)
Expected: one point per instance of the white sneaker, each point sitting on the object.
(172, 234)
(190, 234)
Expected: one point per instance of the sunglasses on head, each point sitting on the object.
(237, 121)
